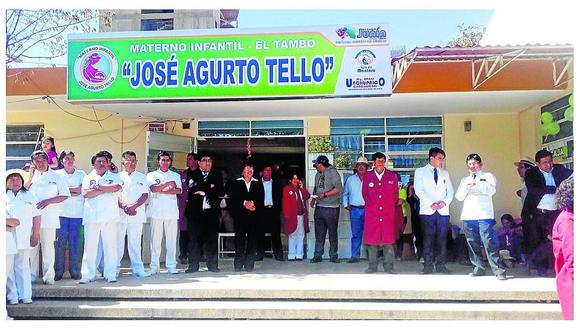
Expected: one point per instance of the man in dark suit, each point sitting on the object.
(247, 201)
(539, 211)
(269, 221)
(203, 211)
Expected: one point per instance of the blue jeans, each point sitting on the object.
(478, 233)
(435, 227)
(357, 222)
(69, 232)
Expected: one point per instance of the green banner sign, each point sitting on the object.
(229, 64)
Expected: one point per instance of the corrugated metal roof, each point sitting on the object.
(449, 53)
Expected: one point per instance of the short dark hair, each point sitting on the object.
(192, 154)
(98, 155)
(436, 151)
(18, 175)
(163, 153)
(542, 154)
(107, 154)
(294, 172)
(475, 157)
(508, 217)
(128, 153)
(246, 163)
(65, 153)
(38, 153)
(204, 154)
(378, 155)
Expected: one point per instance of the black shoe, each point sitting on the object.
(315, 260)
(427, 270)
(76, 277)
(259, 258)
(279, 258)
(214, 270)
(298, 259)
(390, 271)
(443, 270)
(370, 270)
(237, 270)
(268, 255)
(249, 269)
(58, 277)
(335, 260)
(352, 260)
(191, 269)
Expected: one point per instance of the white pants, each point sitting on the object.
(107, 231)
(18, 282)
(133, 232)
(47, 239)
(157, 228)
(296, 241)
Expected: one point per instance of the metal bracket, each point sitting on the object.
(489, 70)
(400, 67)
(559, 76)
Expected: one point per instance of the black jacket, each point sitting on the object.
(212, 186)
(239, 194)
(536, 184)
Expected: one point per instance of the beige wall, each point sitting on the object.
(530, 140)
(318, 125)
(496, 138)
(85, 138)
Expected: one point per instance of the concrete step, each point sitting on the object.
(279, 310)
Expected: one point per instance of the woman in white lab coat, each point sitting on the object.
(20, 205)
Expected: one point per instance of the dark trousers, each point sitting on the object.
(540, 253)
(435, 228)
(418, 234)
(480, 233)
(401, 241)
(203, 233)
(246, 241)
(270, 223)
(326, 219)
(183, 244)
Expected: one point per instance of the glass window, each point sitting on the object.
(277, 127)
(21, 141)
(357, 126)
(414, 125)
(156, 24)
(414, 143)
(157, 11)
(223, 128)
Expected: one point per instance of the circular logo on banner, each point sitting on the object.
(95, 68)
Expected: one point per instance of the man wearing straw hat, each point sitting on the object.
(353, 201)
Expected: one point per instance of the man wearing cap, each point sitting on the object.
(435, 191)
(539, 212)
(353, 201)
(326, 198)
(50, 190)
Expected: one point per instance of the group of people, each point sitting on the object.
(56, 200)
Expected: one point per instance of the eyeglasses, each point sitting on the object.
(205, 160)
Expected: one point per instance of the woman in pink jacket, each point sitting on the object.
(295, 214)
(380, 190)
(563, 247)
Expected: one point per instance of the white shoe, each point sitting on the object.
(153, 271)
(49, 282)
(172, 271)
(27, 301)
(13, 302)
(141, 274)
(422, 260)
(111, 279)
(85, 280)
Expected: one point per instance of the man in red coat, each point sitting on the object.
(380, 190)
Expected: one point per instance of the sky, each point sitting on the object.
(409, 28)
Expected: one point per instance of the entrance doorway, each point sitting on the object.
(283, 153)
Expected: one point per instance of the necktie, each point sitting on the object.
(204, 175)
(474, 176)
(435, 176)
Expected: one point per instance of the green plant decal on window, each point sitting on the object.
(319, 144)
